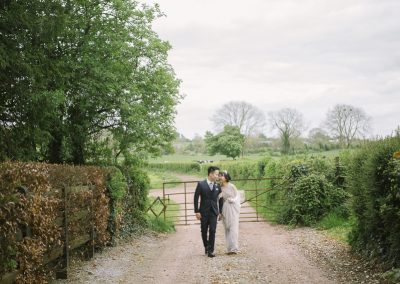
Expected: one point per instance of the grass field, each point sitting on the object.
(157, 178)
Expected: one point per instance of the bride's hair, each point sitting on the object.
(226, 175)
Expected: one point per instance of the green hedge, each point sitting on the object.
(374, 182)
(128, 189)
(311, 198)
(183, 167)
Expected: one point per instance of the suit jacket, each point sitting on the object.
(209, 202)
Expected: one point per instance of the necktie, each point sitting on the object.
(211, 185)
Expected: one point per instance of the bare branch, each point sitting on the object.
(247, 117)
(346, 123)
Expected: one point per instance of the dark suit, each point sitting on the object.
(209, 209)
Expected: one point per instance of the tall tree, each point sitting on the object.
(28, 97)
(346, 122)
(229, 142)
(289, 123)
(75, 72)
(248, 118)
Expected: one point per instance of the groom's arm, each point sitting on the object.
(197, 193)
(221, 203)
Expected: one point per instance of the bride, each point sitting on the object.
(230, 212)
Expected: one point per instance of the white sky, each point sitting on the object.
(302, 54)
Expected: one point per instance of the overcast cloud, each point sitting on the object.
(302, 54)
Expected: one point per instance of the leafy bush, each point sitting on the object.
(311, 197)
(309, 179)
(116, 184)
(135, 202)
(128, 188)
(374, 182)
(117, 190)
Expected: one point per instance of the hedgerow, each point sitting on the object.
(374, 177)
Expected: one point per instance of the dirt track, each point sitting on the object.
(269, 254)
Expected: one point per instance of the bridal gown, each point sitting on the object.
(230, 213)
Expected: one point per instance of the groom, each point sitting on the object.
(208, 212)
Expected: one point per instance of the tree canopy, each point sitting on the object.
(229, 142)
(81, 80)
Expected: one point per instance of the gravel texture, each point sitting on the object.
(269, 254)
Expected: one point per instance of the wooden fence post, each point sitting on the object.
(62, 273)
(92, 218)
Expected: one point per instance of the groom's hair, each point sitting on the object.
(212, 169)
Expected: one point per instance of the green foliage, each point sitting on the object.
(393, 275)
(180, 167)
(332, 220)
(128, 188)
(262, 164)
(117, 189)
(229, 142)
(83, 81)
(181, 158)
(159, 225)
(336, 226)
(242, 170)
(157, 178)
(296, 171)
(138, 186)
(306, 191)
(374, 183)
(311, 197)
(116, 184)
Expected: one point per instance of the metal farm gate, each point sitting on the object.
(176, 201)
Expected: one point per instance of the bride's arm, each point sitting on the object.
(233, 197)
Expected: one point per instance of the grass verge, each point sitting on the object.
(336, 226)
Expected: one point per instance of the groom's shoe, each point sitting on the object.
(206, 250)
(211, 254)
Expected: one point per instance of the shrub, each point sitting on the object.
(373, 181)
(311, 198)
(117, 190)
(116, 184)
(135, 202)
(315, 178)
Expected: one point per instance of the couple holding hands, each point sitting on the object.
(218, 201)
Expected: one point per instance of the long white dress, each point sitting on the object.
(230, 213)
